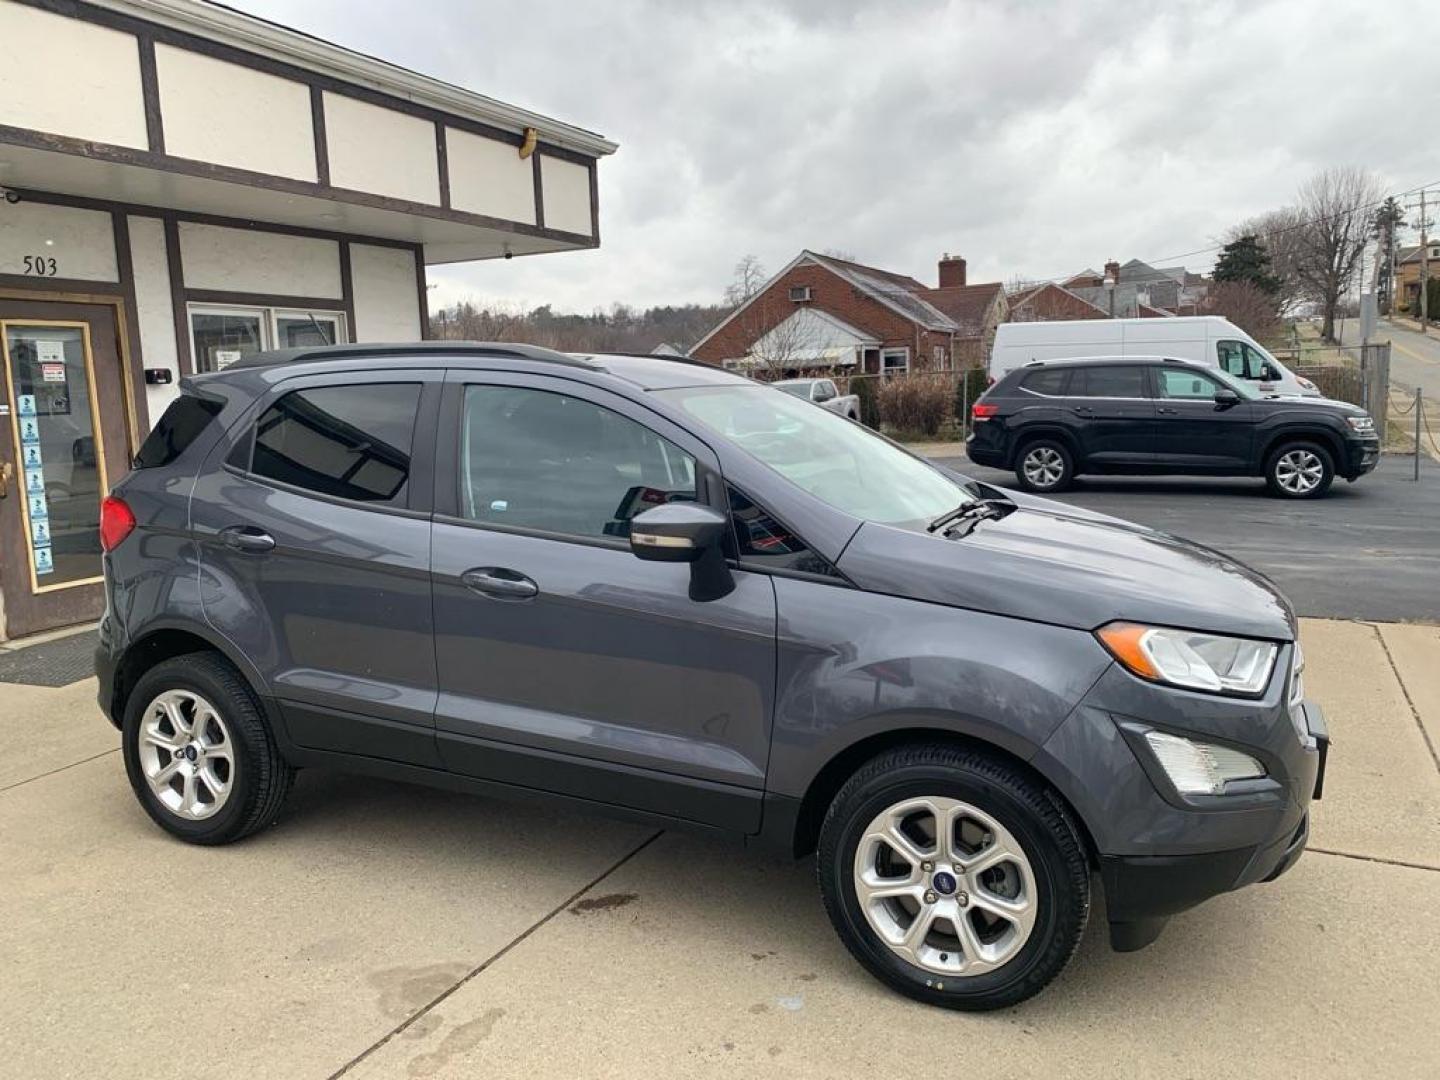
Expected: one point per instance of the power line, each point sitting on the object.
(1060, 278)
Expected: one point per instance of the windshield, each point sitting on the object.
(837, 461)
(799, 389)
(1240, 386)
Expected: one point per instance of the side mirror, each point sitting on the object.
(686, 532)
(1226, 397)
(1270, 373)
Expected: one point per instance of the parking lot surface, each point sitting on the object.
(1368, 550)
(382, 930)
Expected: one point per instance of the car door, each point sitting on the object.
(1114, 415)
(564, 662)
(312, 524)
(1193, 430)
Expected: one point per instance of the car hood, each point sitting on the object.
(1045, 563)
(1311, 405)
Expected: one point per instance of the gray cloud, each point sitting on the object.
(1033, 138)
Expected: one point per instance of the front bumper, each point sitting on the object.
(1362, 456)
(1142, 892)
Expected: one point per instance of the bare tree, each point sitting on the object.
(1279, 232)
(787, 344)
(1338, 207)
(749, 277)
(1246, 305)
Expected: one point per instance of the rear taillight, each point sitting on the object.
(983, 410)
(117, 521)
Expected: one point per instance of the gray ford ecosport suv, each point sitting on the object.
(664, 591)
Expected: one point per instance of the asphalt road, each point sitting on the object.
(1368, 550)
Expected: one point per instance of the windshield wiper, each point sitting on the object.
(971, 514)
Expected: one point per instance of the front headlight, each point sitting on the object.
(1221, 665)
(1361, 425)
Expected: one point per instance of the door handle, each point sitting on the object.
(6, 472)
(500, 583)
(1083, 409)
(247, 538)
(1168, 412)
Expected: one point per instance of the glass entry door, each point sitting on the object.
(66, 444)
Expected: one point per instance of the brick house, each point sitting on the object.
(1052, 303)
(1407, 275)
(821, 313)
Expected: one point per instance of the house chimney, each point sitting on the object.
(1112, 272)
(952, 271)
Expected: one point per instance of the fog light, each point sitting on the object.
(1197, 768)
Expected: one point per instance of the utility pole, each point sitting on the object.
(1424, 276)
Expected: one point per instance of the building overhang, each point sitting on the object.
(196, 108)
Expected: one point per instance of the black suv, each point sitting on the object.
(1051, 421)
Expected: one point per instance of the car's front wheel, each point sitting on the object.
(954, 877)
(1300, 470)
(1044, 466)
(199, 752)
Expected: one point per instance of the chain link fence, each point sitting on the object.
(1359, 374)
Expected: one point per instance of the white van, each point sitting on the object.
(1204, 339)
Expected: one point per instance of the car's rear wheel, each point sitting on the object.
(1300, 470)
(1044, 466)
(953, 877)
(199, 752)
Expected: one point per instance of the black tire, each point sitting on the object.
(259, 778)
(1058, 453)
(1033, 816)
(1292, 453)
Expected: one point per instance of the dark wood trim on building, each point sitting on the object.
(347, 289)
(63, 144)
(322, 143)
(594, 204)
(539, 191)
(442, 164)
(77, 9)
(422, 292)
(267, 300)
(150, 92)
(132, 355)
(249, 224)
(173, 261)
(66, 285)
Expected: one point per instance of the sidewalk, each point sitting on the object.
(382, 930)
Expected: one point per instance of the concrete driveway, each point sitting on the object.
(382, 930)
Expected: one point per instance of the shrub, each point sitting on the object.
(914, 404)
(968, 387)
(864, 389)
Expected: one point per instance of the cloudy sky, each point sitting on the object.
(1032, 138)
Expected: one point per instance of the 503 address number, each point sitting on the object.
(40, 265)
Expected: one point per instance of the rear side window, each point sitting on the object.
(349, 442)
(1109, 382)
(1051, 383)
(179, 426)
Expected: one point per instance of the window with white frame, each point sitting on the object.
(894, 361)
(937, 355)
(221, 334)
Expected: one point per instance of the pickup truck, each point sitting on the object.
(822, 392)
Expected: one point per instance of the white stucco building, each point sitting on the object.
(185, 184)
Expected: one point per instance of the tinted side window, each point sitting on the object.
(541, 460)
(179, 426)
(352, 442)
(765, 541)
(1184, 383)
(1051, 382)
(1111, 382)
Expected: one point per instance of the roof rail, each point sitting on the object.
(415, 348)
(670, 357)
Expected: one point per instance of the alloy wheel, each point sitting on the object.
(1044, 466)
(1299, 471)
(945, 886)
(186, 754)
